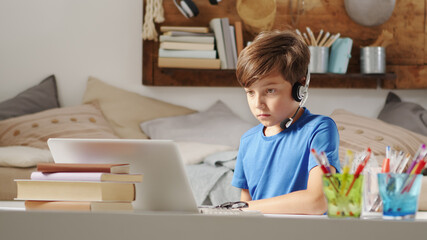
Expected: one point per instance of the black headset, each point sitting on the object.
(189, 9)
(300, 94)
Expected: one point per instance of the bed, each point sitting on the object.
(209, 153)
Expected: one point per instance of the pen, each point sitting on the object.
(359, 170)
(323, 168)
(421, 151)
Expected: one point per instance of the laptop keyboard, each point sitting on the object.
(226, 211)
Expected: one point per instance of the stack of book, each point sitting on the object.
(187, 47)
(213, 47)
(79, 187)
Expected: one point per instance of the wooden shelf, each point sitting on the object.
(155, 76)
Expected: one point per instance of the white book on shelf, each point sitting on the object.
(233, 45)
(227, 43)
(215, 25)
(210, 54)
(187, 46)
(190, 39)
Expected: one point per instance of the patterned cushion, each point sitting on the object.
(83, 121)
(358, 132)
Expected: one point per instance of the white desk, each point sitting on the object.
(18, 224)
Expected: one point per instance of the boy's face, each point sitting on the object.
(270, 100)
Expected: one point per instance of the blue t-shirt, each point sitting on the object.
(280, 164)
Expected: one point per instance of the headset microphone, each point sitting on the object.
(300, 94)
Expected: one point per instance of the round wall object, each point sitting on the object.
(369, 12)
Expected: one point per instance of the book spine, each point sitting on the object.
(67, 176)
(196, 63)
(188, 39)
(239, 37)
(215, 25)
(186, 46)
(233, 45)
(74, 191)
(209, 54)
(185, 29)
(227, 42)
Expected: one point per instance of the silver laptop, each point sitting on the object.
(165, 186)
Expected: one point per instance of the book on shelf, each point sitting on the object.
(78, 206)
(196, 63)
(83, 167)
(215, 25)
(210, 54)
(86, 176)
(228, 43)
(74, 190)
(233, 45)
(239, 37)
(188, 39)
(186, 46)
(184, 33)
(184, 29)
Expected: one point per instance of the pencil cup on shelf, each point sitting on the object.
(372, 60)
(399, 193)
(343, 195)
(319, 59)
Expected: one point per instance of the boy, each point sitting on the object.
(274, 169)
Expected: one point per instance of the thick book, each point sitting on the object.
(196, 63)
(215, 25)
(184, 29)
(228, 43)
(210, 54)
(83, 167)
(86, 176)
(188, 39)
(74, 191)
(239, 37)
(78, 206)
(186, 46)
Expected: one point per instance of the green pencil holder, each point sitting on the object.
(344, 197)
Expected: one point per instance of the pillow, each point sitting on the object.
(195, 152)
(20, 156)
(35, 99)
(217, 125)
(125, 110)
(84, 121)
(358, 132)
(408, 115)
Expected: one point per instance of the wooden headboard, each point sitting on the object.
(405, 56)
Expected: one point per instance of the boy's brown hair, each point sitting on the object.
(284, 52)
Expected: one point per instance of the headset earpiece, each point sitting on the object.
(300, 94)
(187, 7)
(297, 92)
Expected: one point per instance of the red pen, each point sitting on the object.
(359, 170)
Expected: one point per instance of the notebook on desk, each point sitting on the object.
(165, 186)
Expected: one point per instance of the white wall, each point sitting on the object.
(74, 39)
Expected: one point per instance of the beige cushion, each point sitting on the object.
(125, 110)
(23, 156)
(358, 132)
(83, 121)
